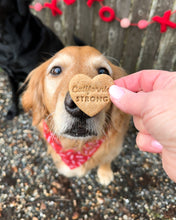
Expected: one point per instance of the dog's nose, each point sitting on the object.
(72, 108)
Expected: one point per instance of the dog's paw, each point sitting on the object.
(105, 175)
(12, 112)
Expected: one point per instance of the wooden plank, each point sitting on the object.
(149, 53)
(100, 31)
(68, 22)
(166, 59)
(84, 22)
(116, 34)
(134, 36)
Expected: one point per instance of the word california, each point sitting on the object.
(89, 93)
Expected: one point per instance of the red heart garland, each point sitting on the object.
(124, 22)
(90, 2)
(69, 2)
(53, 6)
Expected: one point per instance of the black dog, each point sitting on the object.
(24, 43)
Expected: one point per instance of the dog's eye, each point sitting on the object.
(55, 71)
(103, 70)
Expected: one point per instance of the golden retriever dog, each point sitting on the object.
(76, 142)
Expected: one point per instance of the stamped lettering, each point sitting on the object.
(91, 95)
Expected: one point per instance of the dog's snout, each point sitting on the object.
(72, 108)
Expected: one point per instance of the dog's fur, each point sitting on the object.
(46, 95)
(24, 44)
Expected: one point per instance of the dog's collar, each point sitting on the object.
(71, 158)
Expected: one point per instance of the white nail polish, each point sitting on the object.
(116, 92)
(157, 145)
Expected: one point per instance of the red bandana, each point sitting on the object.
(70, 157)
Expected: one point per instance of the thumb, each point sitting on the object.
(127, 101)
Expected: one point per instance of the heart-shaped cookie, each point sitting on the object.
(91, 95)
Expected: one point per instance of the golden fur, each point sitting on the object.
(45, 96)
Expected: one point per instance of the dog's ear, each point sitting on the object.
(32, 99)
(78, 41)
(117, 71)
(119, 120)
(23, 6)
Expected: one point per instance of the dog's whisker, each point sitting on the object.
(104, 133)
(52, 126)
(49, 116)
(113, 60)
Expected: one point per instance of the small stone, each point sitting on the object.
(42, 206)
(54, 190)
(75, 215)
(56, 184)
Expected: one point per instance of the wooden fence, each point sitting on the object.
(135, 48)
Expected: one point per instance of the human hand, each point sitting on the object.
(150, 96)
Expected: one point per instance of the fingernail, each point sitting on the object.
(157, 146)
(116, 92)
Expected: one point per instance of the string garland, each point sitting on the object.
(107, 14)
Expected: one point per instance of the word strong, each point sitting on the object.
(90, 95)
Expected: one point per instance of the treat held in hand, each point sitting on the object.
(90, 94)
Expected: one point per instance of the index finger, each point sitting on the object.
(141, 81)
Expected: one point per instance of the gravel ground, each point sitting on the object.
(31, 188)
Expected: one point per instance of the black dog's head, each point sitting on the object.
(18, 6)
